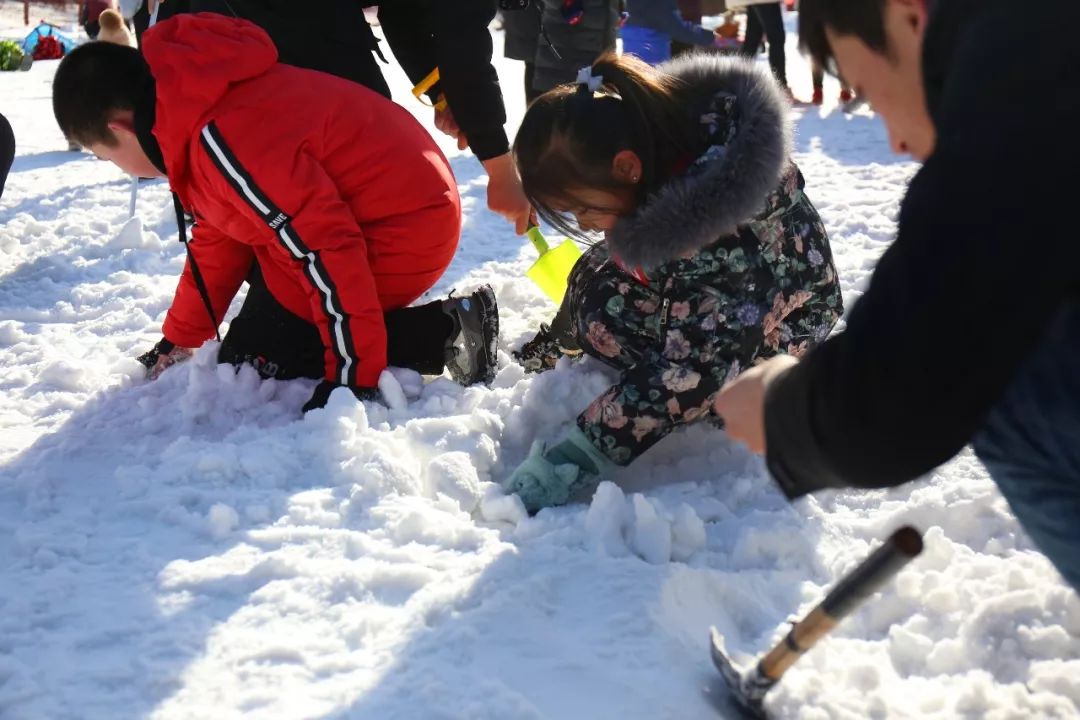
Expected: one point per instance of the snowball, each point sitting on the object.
(606, 520)
(454, 475)
(131, 236)
(687, 533)
(411, 382)
(652, 533)
(221, 520)
(498, 507)
(66, 375)
(392, 392)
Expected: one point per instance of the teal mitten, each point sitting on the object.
(550, 477)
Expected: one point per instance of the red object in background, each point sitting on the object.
(573, 11)
(48, 48)
(790, 4)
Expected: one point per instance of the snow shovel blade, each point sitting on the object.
(745, 691)
(748, 687)
(552, 270)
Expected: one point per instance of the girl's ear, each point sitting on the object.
(626, 167)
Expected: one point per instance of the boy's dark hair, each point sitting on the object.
(570, 135)
(94, 81)
(864, 19)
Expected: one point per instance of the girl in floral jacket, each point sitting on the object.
(713, 257)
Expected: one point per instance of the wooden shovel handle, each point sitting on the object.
(853, 589)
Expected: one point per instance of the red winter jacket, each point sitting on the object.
(341, 196)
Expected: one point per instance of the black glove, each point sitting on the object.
(324, 388)
(161, 357)
(149, 359)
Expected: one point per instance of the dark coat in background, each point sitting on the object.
(454, 37)
(578, 45)
(521, 32)
(331, 36)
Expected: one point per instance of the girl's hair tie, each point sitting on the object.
(586, 79)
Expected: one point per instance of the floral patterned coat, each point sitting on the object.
(680, 328)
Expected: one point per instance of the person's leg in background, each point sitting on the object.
(1030, 444)
(140, 21)
(531, 93)
(7, 151)
(772, 21)
(754, 33)
(521, 34)
(817, 77)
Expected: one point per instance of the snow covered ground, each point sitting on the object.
(194, 548)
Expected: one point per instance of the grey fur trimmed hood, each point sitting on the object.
(690, 212)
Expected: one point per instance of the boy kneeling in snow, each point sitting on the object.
(334, 204)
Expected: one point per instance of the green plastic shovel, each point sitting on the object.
(552, 270)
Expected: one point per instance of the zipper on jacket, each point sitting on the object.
(665, 312)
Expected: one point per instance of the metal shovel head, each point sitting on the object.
(552, 271)
(746, 689)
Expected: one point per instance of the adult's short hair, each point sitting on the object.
(93, 82)
(862, 19)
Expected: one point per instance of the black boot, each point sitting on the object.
(471, 347)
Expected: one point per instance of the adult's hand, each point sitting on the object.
(445, 122)
(505, 195)
(741, 403)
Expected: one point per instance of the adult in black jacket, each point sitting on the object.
(578, 36)
(970, 328)
(521, 38)
(454, 37)
(331, 36)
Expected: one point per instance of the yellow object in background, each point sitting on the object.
(424, 85)
(552, 271)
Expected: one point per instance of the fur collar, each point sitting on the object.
(730, 186)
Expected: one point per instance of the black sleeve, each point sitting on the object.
(7, 151)
(454, 37)
(407, 31)
(985, 255)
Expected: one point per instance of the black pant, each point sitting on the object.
(7, 151)
(531, 93)
(768, 21)
(284, 346)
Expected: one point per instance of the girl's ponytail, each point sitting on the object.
(571, 134)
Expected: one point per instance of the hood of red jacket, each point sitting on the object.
(195, 60)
